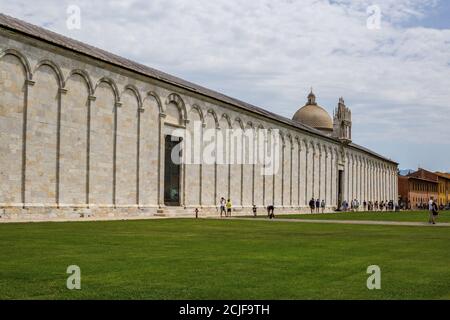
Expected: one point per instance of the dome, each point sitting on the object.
(314, 115)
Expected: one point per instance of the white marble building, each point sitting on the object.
(86, 132)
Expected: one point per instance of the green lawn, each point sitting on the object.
(222, 259)
(410, 216)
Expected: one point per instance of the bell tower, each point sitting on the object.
(342, 122)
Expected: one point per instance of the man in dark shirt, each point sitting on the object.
(270, 212)
(312, 205)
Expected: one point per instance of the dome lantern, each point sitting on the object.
(312, 98)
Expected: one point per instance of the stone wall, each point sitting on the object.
(81, 136)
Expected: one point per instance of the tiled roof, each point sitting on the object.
(423, 174)
(443, 175)
(34, 31)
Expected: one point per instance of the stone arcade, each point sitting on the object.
(83, 131)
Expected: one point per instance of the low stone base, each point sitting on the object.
(42, 213)
(54, 213)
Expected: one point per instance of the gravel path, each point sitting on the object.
(359, 222)
(353, 222)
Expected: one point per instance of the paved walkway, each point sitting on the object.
(359, 222)
(354, 222)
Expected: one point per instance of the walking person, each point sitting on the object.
(322, 205)
(229, 206)
(271, 211)
(312, 205)
(345, 206)
(435, 212)
(222, 205)
(196, 213)
(432, 208)
(318, 206)
(430, 211)
(254, 210)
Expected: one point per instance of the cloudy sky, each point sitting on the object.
(396, 78)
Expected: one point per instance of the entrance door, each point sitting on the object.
(340, 188)
(172, 171)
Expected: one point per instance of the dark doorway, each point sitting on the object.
(340, 188)
(172, 171)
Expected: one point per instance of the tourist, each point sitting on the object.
(344, 205)
(222, 207)
(435, 212)
(318, 206)
(365, 205)
(271, 211)
(254, 210)
(431, 209)
(196, 213)
(312, 205)
(322, 205)
(229, 208)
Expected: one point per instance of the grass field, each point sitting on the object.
(407, 216)
(222, 259)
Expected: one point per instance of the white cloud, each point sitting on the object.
(269, 53)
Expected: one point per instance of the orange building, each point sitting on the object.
(416, 189)
(443, 188)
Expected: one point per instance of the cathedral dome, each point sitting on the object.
(314, 115)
